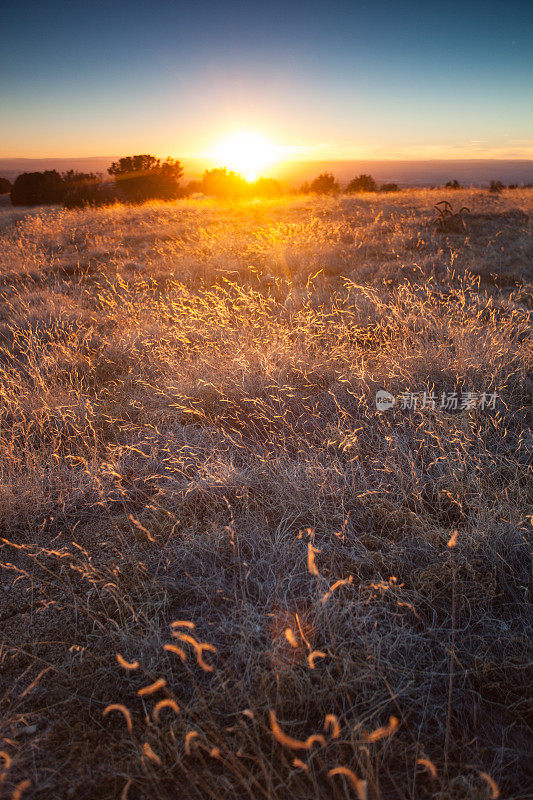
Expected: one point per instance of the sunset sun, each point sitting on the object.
(247, 153)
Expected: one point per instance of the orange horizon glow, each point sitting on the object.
(247, 150)
(257, 149)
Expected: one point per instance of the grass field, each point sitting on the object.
(189, 434)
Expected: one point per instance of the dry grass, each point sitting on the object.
(189, 436)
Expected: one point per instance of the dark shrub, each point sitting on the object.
(495, 187)
(363, 183)
(38, 188)
(453, 184)
(5, 186)
(86, 189)
(389, 187)
(144, 177)
(193, 187)
(324, 184)
(98, 194)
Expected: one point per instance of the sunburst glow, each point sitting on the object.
(247, 153)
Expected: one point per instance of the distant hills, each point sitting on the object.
(478, 172)
(406, 173)
(11, 167)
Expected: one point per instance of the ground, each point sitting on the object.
(190, 435)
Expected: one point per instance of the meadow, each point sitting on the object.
(224, 572)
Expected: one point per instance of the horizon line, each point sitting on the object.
(288, 160)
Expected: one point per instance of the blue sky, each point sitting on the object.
(328, 80)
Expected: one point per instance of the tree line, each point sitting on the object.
(135, 179)
(325, 183)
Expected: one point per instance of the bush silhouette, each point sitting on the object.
(222, 183)
(5, 186)
(86, 189)
(363, 183)
(495, 187)
(324, 184)
(193, 187)
(144, 177)
(389, 187)
(38, 188)
(453, 184)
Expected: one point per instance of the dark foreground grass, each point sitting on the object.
(225, 574)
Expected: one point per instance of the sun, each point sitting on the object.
(247, 153)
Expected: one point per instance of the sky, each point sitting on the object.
(326, 80)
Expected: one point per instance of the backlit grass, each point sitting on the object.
(225, 574)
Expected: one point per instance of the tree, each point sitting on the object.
(324, 184)
(133, 166)
(38, 188)
(168, 179)
(143, 177)
(5, 186)
(363, 183)
(453, 184)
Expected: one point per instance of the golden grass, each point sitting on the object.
(192, 465)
